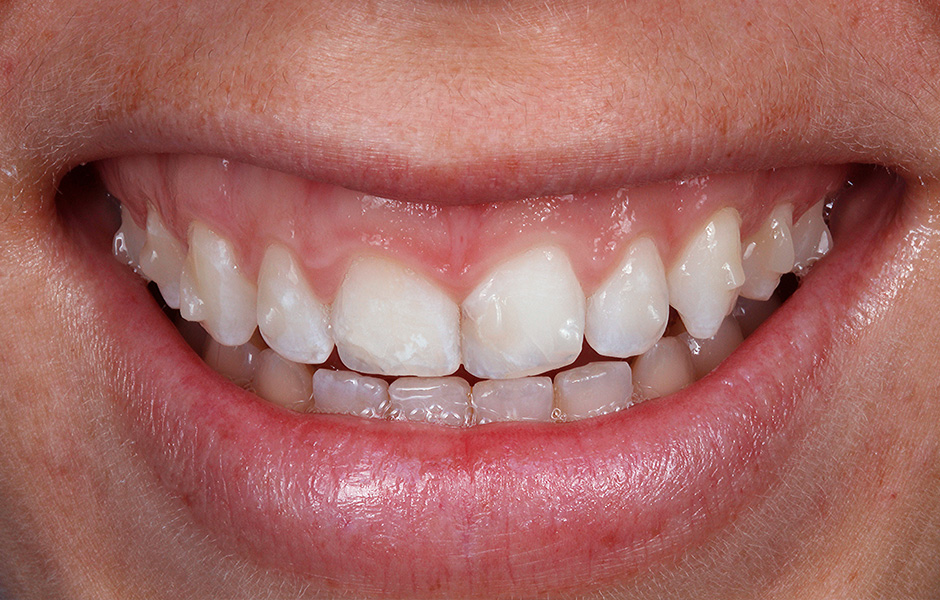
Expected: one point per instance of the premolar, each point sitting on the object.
(768, 254)
(290, 317)
(389, 320)
(629, 311)
(704, 282)
(526, 317)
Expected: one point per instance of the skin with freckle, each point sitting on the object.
(442, 103)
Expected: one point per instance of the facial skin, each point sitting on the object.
(458, 103)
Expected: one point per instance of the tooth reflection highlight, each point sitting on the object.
(128, 240)
(441, 400)
(214, 291)
(526, 317)
(525, 399)
(349, 393)
(704, 282)
(629, 311)
(389, 320)
(291, 318)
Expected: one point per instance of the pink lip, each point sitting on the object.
(403, 509)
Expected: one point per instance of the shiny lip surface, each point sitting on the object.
(403, 509)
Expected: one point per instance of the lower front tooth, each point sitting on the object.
(214, 290)
(282, 382)
(161, 259)
(441, 400)
(704, 282)
(525, 318)
(594, 389)
(665, 369)
(348, 393)
(389, 320)
(525, 399)
(128, 240)
(291, 319)
(708, 354)
(237, 363)
(811, 238)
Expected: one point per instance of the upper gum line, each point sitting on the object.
(691, 280)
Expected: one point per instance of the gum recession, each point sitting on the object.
(407, 509)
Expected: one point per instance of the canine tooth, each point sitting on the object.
(524, 399)
(237, 363)
(442, 400)
(345, 392)
(664, 369)
(525, 318)
(768, 254)
(128, 240)
(811, 238)
(708, 354)
(291, 319)
(704, 282)
(282, 382)
(595, 389)
(387, 319)
(629, 311)
(751, 313)
(161, 259)
(214, 291)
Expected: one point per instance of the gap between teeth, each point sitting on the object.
(528, 316)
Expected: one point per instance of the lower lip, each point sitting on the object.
(412, 509)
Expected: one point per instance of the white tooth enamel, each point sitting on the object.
(161, 259)
(282, 382)
(128, 240)
(595, 389)
(348, 393)
(291, 319)
(708, 354)
(751, 313)
(629, 311)
(704, 282)
(525, 399)
(768, 254)
(237, 363)
(666, 368)
(526, 317)
(441, 400)
(389, 320)
(811, 238)
(213, 289)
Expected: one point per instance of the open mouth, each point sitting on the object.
(413, 397)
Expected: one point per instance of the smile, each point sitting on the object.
(553, 387)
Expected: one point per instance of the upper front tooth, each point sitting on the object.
(214, 291)
(811, 238)
(629, 311)
(128, 240)
(768, 254)
(387, 319)
(291, 319)
(525, 318)
(161, 259)
(704, 282)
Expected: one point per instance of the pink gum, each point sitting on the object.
(456, 245)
